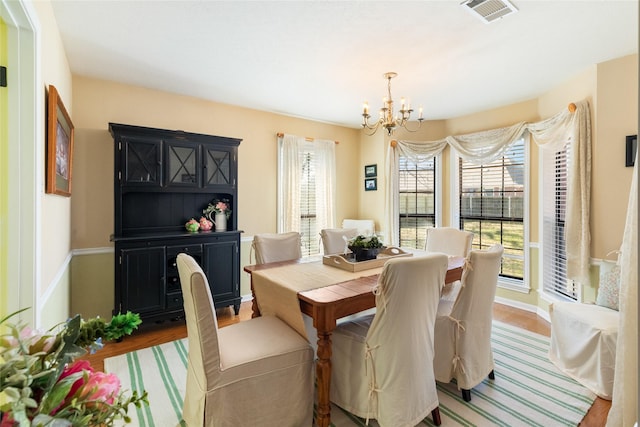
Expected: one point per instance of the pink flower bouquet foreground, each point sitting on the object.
(41, 383)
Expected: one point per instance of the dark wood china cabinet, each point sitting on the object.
(162, 179)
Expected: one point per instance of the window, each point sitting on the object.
(306, 188)
(554, 199)
(417, 200)
(492, 206)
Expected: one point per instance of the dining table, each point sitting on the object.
(288, 289)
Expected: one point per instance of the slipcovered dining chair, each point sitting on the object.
(376, 358)
(448, 240)
(274, 247)
(463, 327)
(236, 373)
(333, 239)
(366, 227)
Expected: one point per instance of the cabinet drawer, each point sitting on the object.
(192, 250)
(174, 300)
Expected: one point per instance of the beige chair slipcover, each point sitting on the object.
(382, 364)
(463, 328)
(333, 241)
(583, 344)
(274, 247)
(452, 242)
(448, 240)
(365, 227)
(253, 373)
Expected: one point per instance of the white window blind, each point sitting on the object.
(554, 200)
(310, 243)
(491, 198)
(417, 200)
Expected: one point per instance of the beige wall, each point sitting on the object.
(54, 249)
(103, 102)
(99, 102)
(617, 108)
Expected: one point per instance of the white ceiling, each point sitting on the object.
(321, 59)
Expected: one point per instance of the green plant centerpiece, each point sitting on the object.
(365, 248)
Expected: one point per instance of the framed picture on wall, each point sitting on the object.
(371, 171)
(631, 148)
(59, 146)
(370, 184)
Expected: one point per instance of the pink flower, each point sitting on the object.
(222, 206)
(77, 366)
(100, 386)
(34, 340)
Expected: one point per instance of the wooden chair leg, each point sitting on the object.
(492, 375)
(435, 414)
(466, 395)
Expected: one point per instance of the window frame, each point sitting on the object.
(438, 164)
(519, 285)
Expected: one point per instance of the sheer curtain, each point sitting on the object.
(290, 148)
(484, 147)
(291, 153)
(624, 411)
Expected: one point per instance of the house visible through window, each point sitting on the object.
(491, 198)
(417, 204)
(554, 201)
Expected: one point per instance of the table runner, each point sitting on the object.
(276, 289)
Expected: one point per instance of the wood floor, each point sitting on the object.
(153, 334)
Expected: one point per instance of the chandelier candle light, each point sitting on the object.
(387, 118)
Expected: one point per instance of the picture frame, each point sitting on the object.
(370, 184)
(371, 171)
(60, 133)
(630, 150)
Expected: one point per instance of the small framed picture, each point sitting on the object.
(371, 171)
(632, 146)
(370, 184)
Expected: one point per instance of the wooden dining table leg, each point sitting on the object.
(255, 310)
(323, 376)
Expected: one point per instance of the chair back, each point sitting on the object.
(333, 239)
(202, 325)
(366, 227)
(400, 339)
(274, 247)
(448, 240)
(474, 304)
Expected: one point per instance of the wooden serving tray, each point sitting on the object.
(339, 260)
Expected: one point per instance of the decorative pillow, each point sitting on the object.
(609, 287)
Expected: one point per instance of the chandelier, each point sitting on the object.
(388, 119)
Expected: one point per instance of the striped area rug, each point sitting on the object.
(528, 389)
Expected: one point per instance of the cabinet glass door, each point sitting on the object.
(141, 162)
(218, 167)
(182, 164)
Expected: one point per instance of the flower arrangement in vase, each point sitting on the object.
(218, 212)
(41, 383)
(365, 247)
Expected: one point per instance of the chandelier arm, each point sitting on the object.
(412, 130)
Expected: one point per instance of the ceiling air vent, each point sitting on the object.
(489, 10)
